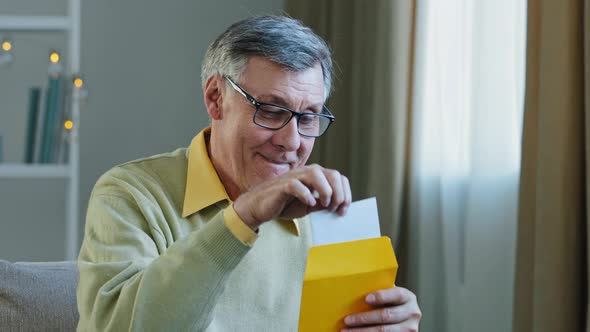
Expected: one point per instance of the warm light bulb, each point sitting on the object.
(54, 57)
(68, 124)
(78, 82)
(6, 46)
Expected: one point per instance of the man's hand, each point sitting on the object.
(397, 310)
(295, 194)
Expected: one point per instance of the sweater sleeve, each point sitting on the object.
(238, 227)
(131, 280)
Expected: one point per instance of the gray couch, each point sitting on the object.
(38, 296)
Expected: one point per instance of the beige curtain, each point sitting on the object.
(552, 249)
(369, 140)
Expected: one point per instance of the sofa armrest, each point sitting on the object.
(38, 296)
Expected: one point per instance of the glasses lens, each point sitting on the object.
(271, 117)
(313, 124)
(309, 124)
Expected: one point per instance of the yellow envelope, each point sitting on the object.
(339, 276)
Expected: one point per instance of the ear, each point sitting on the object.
(212, 95)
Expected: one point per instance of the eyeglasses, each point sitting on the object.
(275, 117)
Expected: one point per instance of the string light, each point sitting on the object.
(78, 82)
(6, 55)
(68, 124)
(6, 45)
(54, 57)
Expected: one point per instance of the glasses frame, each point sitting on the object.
(324, 114)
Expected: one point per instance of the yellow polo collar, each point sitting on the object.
(203, 186)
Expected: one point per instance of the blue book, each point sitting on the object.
(38, 144)
(61, 133)
(51, 116)
(34, 98)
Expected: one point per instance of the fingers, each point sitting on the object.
(333, 189)
(314, 177)
(347, 197)
(398, 308)
(294, 195)
(392, 296)
(389, 315)
(271, 199)
(335, 180)
(301, 192)
(382, 328)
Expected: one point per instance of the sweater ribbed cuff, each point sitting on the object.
(221, 245)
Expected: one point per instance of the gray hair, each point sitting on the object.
(281, 39)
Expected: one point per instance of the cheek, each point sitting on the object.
(305, 150)
(254, 138)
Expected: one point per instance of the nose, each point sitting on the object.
(288, 137)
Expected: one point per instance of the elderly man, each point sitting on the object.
(214, 237)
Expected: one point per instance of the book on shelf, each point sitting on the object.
(34, 97)
(62, 134)
(38, 133)
(51, 109)
(46, 140)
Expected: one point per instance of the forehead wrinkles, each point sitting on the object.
(293, 91)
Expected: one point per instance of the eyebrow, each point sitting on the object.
(273, 99)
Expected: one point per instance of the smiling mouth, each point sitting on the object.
(275, 162)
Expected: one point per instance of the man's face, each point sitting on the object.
(248, 154)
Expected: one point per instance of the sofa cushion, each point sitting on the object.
(38, 296)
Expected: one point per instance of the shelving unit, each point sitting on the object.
(70, 25)
(17, 171)
(35, 23)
